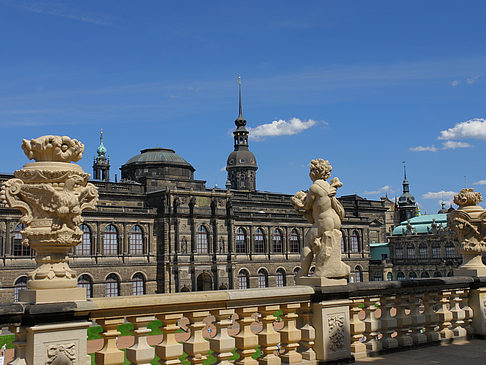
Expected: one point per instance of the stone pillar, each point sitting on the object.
(477, 301)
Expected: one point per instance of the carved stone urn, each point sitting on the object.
(469, 223)
(51, 193)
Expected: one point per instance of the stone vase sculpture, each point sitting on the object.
(323, 241)
(469, 223)
(51, 193)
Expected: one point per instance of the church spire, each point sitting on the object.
(101, 164)
(240, 121)
(406, 187)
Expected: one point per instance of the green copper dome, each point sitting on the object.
(101, 150)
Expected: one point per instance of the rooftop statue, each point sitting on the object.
(323, 210)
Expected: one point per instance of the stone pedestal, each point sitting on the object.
(52, 295)
(472, 266)
(477, 301)
(331, 321)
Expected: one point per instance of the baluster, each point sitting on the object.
(246, 341)
(222, 344)
(431, 317)
(268, 338)
(403, 322)
(417, 319)
(110, 354)
(458, 315)
(140, 353)
(20, 344)
(357, 328)
(468, 312)
(196, 347)
(388, 323)
(445, 316)
(169, 350)
(290, 335)
(371, 325)
(308, 334)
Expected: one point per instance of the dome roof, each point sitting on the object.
(243, 158)
(101, 150)
(421, 223)
(158, 155)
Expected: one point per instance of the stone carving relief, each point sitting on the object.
(335, 323)
(51, 194)
(62, 354)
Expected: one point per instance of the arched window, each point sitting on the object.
(112, 284)
(354, 242)
(18, 248)
(358, 274)
(410, 251)
(281, 277)
(425, 274)
(259, 241)
(436, 251)
(450, 273)
(450, 250)
(84, 281)
(138, 284)
(20, 284)
(277, 241)
(84, 248)
(243, 279)
(400, 276)
(412, 275)
(110, 240)
(240, 241)
(202, 240)
(389, 276)
(262, 278)
(437, 274)
(423, 251)
(377, 276)
(294, 242)
(135, 241)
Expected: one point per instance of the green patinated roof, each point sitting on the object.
(158, 155)
(379, 249)
(421, 223)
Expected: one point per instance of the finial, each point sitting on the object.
(240, 121)
(404, 171)
(101, 135)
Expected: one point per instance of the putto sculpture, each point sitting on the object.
(320, 207)
(51, 194)
(469, 223)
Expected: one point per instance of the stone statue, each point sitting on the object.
(469, 223)
(51, 194)
(321, 208)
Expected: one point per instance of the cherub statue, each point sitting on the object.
(321, 208)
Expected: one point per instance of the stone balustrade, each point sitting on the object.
(289, 325)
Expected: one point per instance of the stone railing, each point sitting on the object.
(298, 324)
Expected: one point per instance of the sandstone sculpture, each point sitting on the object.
(469, 223)
(51, 194)
(323, 241)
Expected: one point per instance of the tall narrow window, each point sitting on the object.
(135, 241)
(262, 278)
(410, 251)
(436, 251)
(84, 281)
(18, 248)
(280, 277)
(399, 252)
(110, 240)
(138, 284)
(423, 251)
(20, 284)
(112, 285)
(84, 248)
(358, 274)
(450, 250)
(354, 242)
(259, 242)
(294, 242)
(240, 241)
(202, 240)
(277, 241)
(243, 279)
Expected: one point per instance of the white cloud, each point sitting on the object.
(383, 189)
(480, 182)
(452, 145)
(471, 80)
(474, 128)
(281, 128)
(424, 148)
(445, 195)
(222, 169)
(454, 83)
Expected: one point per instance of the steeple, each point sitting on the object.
(101, 150)
(406, 203)
(240, 121)
(406, 188)
(101, 163)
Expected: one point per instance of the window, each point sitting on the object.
(262, 278)
(84, 248)
(354, 242)
(358, 274)
(294, 242)
(20, 284)
(389, 276)
(84, 281)
(450, 250)
(202, 240)
(436, 251)
(400, 276)
(377, 276)
(18, 248)
(135, 241)
(277, 241)
(412, 275)
(112, 286)
(399, 252)
(110, 240)
(240, 241)
(243, 279)
(343, 248)
(410, 251)
(138, 284)
(425, 274)
(437, 274)
(259, 242)
(423, 251)
(280, 278)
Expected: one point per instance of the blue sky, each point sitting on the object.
(366, 85)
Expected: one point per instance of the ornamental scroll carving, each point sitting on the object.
(51, 193)
(62, 354)
(335, 323)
